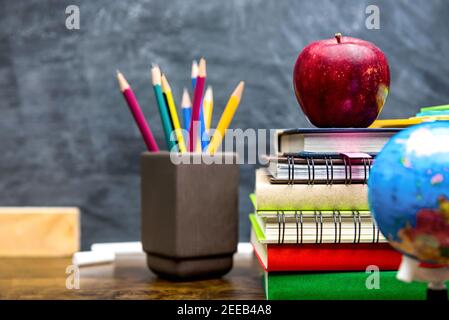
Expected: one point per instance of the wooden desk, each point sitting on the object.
(127, 278)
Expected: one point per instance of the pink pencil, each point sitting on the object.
(137, 113)
(196, 104)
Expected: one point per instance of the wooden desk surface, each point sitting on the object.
(127, 278)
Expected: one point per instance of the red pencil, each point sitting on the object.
(196, 104)
(137, 113)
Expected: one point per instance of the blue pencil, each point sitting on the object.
(204, 136)
(186, 107)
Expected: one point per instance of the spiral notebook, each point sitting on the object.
(320, 168)
(307, 196)
(317, 227)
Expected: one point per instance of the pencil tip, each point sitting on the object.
(155, 74)
(165, 85)
(194, 73)
(239, 89)
(185, 103)
(208, 94)
(123, 83)
(202, 68)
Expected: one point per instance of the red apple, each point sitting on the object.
(341, 82)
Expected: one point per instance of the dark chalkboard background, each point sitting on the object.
(67, 138)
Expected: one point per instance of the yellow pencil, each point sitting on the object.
(174, 115)
(226, 118)
(208, 107)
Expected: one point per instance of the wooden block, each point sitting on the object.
(39, 231)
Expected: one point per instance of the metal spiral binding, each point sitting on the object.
(348, 169)
(360, 225)
(337, 222)
(346, 172)
(302, 229)
(320, 216)
(378, 232)
(310, 171)
(367, 162)
(355, 228)
(365, 176)
(279, 226)
(281, 222)
(291, 170)
(374, 232)
(331, 180)
(299, 221)
(319, 226)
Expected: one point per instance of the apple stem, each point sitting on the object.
(338, 37)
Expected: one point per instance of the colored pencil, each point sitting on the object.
(194, 73)
(166, 103)
(137, 113)
(163, 110)
(436, 108)
(196, 104)
(186, 106)
(173, 113)
(193, 77)
(226, 118)
(204, 137)
(208, 107)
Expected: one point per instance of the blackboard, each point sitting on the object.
(67, 138)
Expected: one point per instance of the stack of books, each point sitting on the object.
(312, 230)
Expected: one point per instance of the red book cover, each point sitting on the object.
(326, 257)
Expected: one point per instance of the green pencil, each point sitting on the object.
(163, 110)
(436, 108)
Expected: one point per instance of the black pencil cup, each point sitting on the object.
(189, 215)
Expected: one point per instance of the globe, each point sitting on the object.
(408, 192)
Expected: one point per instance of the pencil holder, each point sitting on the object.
(189, 215)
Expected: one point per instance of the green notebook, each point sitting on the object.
(340, 286)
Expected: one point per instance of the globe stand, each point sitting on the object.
(437, 291)
(410, 270)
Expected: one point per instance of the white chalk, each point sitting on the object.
(118, 247)
(85, 258)
(245, 248)
(136, 247)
